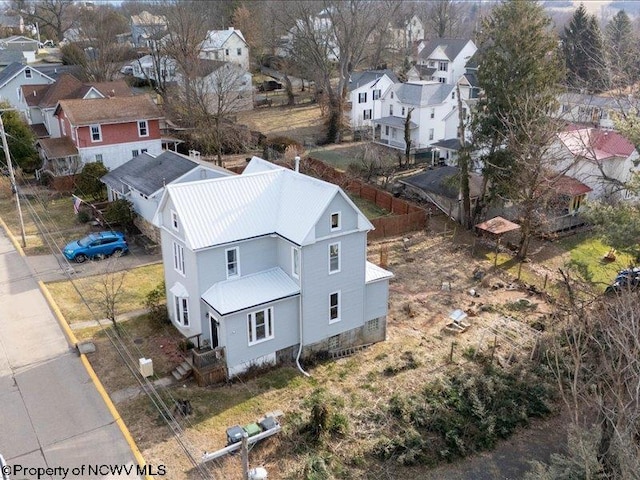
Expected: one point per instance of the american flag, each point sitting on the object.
(76, 204)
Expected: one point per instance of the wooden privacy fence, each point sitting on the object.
(405, 216)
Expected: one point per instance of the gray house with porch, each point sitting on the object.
(269, 266)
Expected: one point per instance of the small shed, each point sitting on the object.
(496, 228)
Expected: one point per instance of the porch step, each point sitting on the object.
(182, 371)
(347, 352)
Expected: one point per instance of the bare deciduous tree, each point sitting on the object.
(54, 17)
(444, 17)
(109, 292)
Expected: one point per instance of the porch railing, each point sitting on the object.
(207, 357)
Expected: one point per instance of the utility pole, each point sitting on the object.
(14, 187)
(244, 452)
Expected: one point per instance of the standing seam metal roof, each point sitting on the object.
(423, 94)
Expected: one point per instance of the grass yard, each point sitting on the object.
(38, 208)
(299, 123)
(370, 209)
(586, 254)
(339, 157)
(137, 283)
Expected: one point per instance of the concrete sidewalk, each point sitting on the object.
(52, 414)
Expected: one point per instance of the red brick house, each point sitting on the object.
(109, 130)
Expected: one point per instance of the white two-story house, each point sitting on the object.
(366, 90)
(434, 114)
(226, 46)
(447, 56)
(269, 266)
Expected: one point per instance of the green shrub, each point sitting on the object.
(156, 303)
(83, 216)
(120, 212)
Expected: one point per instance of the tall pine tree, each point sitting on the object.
(620, 43)
(583, 48)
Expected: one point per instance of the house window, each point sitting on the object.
(443, 66)
(442, 80)
(432, 63)
(335, 221)
(27, 73)
(135, 153)
(403, 111)
(453, 94)
(96, 133)
(226, 52)
(182, 310)
(366, 115)
(431, 134)
(295, 262)
(376, 94)
(233, 265)
(143, 128)
(99, 157)
(174, 221)
(362, 97)
(144, 150)
(386, 130)
(334, 257)
(433, 113)
(391, 95)
(333, 343)
(260, 325)
(393, 133)
(239, 52)
(390, 109)
(334, 307)
(178, 258)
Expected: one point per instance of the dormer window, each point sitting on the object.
(335, 221)
(174, 221)
(27, 73)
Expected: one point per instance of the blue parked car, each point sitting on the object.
(96, 245)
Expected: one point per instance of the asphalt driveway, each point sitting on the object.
(52, 268)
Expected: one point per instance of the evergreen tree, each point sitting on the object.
(583, 48)
(620, 50)
(21, 141)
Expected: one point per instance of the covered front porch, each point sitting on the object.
(59, 157)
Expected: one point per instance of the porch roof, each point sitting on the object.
(565, 185)
(58, 147)
(231, 296)
(373, 273)
(397, 122)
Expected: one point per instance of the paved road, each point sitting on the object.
(51, 414)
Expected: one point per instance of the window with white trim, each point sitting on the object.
(334, 307)
(178, 258)
(260, 325)
(334, 257)
(442, 80)
(295, 262)
(96, 133)
(377, 93)
(233, 262)
(391, 95)
(181, 305)
(433, 113)
(362, 97)
(403, 110)
(144, 150)
(143, 128)
(386, 130)
(99, 157)
(390, 109)
(366, 114)
(27, 73)
(431, 134)
(226, 52)
(239, 51)
(335, 221)
(135, 153)
(174, 221)
(443, 66)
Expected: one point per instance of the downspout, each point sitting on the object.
(300, 321)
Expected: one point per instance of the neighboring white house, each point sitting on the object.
(366, 90)
(321, 26)
(144, 68)
(269, 266)
(601, 159)
(142, 180)
(593, 110)
(405, 32)
(226, 46)
(447, 56)
(14, 77)
(434, 114)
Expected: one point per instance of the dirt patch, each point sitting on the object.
(304, 124)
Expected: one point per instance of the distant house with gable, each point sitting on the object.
(366, 90)
(146, 27)
(448, 56)
(226, 46)
(14, 77)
